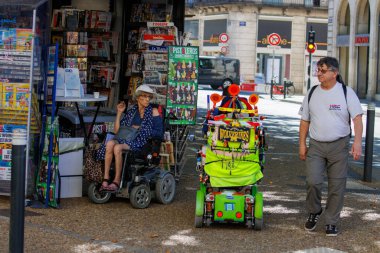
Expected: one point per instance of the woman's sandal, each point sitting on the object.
(113, 187)
(104, 185)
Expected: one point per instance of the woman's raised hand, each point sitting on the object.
(121, 107)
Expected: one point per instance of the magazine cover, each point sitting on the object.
(82, 50)
(22, 96)
(72, 37)
(71, 50)
(183, 85)
(82, 63)
(24, 39)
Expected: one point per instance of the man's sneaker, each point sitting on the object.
(331, 230)
(311, 222)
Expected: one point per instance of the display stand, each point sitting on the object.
(18, 69)
(87, 43)
(48, 167)
(182, 96)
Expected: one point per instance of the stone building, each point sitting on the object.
(249, 25)
(353, 38)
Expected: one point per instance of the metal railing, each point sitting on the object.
(323, 4)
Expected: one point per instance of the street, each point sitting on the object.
(81, 226)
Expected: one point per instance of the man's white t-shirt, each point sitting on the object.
(327, 112)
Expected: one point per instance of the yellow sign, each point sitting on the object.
(223, 109)
(234, 134)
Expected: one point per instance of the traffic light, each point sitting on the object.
(311, 46)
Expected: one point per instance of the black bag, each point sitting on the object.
(127, 133)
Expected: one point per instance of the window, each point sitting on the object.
(192, 26)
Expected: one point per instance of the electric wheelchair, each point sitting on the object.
(142, 179)
(231, 163)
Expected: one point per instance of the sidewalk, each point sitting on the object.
(82, 226)
(356, 167)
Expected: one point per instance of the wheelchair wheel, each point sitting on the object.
(198, 221)
(96, 196)
(140, 196)
(165, 189)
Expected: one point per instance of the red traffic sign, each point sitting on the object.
(223, 37)
(224, 50)
(274, 39)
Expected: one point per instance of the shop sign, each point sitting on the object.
(269, 27)
(212, 31)
(362, 40)
(159, 24)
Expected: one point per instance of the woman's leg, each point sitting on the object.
(118, 150)
(108, 159)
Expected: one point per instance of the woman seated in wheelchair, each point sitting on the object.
(142, 117)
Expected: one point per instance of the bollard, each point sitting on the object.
(271, 88)
(367, 175)
(285, 84)
(16, 229)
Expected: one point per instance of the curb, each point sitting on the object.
(356, 173)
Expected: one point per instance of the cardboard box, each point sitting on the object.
(71, 167)
(71, 187)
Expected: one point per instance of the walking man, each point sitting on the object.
(326, 114)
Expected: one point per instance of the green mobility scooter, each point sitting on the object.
(231, 163)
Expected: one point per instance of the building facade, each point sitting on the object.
(251, 26)
(353, 38)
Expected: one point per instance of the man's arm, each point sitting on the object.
(304, 129)
(356, 149)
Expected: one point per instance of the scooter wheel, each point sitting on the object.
(198, 221)
(258, 224)
(165, 189)
(96, 196)
(140, 196)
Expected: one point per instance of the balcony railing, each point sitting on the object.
(323, 4)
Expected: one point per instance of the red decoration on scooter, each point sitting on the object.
(215, 98)
(233, 90)
(253, 99)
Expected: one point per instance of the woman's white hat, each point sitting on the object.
(144, 88)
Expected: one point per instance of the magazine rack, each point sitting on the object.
(19, 73)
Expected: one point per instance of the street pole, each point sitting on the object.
(272, 81)
(309, 72)
(17, 215)
(370, 128)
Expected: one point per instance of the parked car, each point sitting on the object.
(218, 71)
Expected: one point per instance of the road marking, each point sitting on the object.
(181, 238)
(319, 250)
